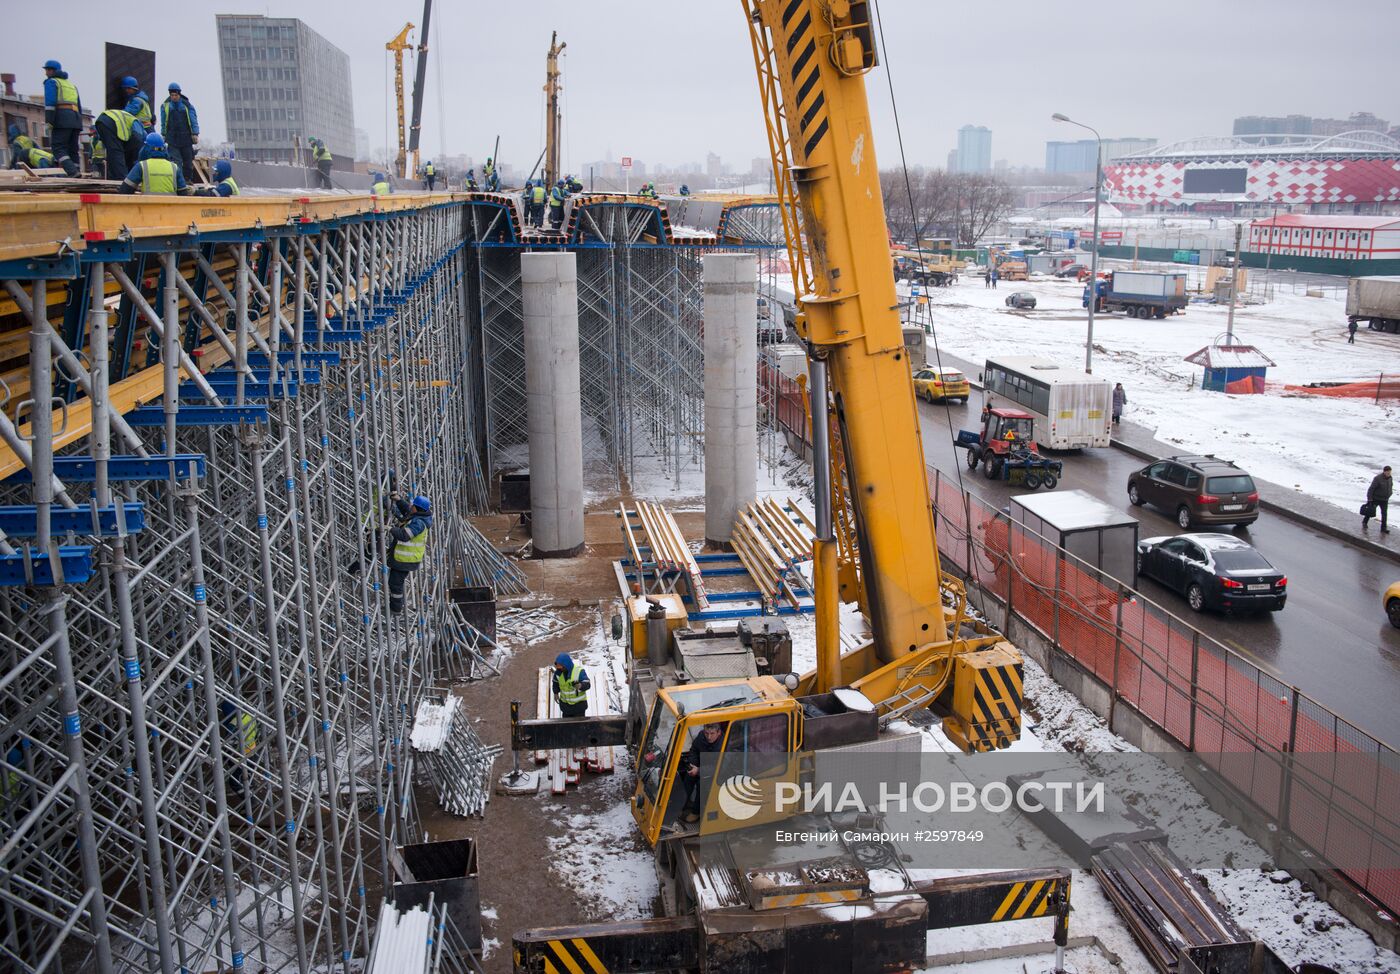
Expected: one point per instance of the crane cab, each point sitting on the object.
(735, 782)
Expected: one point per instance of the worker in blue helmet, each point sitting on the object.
(429, 174)
(470, 183)
(138, 103)
(381, 185)
(408, 544)
(156, 174)
(557, 195)
(179, 123)
(224, 184)
(535, 196)
(23, 152)
(20, 144)
(569, 684)
(117, 138)
(63, 112)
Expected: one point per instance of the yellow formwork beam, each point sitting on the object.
(36, 224)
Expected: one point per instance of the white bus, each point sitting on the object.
(1072, 409)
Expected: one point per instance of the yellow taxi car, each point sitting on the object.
(938, 385)
(1391, 601)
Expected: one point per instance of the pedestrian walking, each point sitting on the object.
(1351, 332)
(987, 277)
(996, 276)
(429, 175)
(1378, 500)
(1120, 399)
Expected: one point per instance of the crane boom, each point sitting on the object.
(398, 45)
(420, 79)
(812, 57)
(552, 120)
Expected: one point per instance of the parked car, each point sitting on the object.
(1072, 270)
(1021, 299)
(939, 385)
(1197, 490)
(1214, 571)
(1391, 601)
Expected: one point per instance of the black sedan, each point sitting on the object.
(1021, 299)
(1214, 571)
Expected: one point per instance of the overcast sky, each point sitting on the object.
(668, 80)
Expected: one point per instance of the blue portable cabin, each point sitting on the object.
(1232, 368)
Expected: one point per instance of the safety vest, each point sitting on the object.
(323, 154)
(65, 94)
(143, 113)
(569, 691)
(230, 184)
(489, 168)
(556, 197)
(99, 150)
(381, 189)
(249, 733)
(411, 552)
(123, 121)
(158, 176)
(38, 158)
(537, 194)
(23, 143)
(429, 170)
(165, 107)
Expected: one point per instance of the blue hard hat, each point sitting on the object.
(130, 82)
(222, 169)
(173, 87)
(155, 141)
(423, 504)
(51, 63)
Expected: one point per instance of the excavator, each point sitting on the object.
(818, 909)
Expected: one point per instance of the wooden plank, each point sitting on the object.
(35, 227)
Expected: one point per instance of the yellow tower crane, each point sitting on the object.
(398, 45)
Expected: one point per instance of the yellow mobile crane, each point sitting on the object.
(811, 57)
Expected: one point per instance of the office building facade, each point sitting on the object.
(283, 84)
(974, 149)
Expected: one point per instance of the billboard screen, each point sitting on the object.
(1214, 181)
(136, 62)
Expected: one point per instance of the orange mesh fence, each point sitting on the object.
(1381, 387)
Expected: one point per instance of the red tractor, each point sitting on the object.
(1006, 449)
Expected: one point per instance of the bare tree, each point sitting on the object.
(982, 201)
(935, 203)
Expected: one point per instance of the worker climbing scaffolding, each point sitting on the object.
(410, 544)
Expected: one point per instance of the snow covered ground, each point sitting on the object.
(1325, 447)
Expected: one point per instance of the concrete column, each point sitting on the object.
(731, 390)
(549, 299)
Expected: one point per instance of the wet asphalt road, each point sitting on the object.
(1331, 640)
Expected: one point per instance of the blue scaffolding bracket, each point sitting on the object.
(189, 392)
(308, 358)
(34, 568)
(22, 521)
(198, 415)
(83, 470)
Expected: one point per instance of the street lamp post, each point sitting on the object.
(1094, 252)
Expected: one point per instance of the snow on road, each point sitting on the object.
(1328, 448)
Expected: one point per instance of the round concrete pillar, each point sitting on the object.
(549, 301)
(731, 390)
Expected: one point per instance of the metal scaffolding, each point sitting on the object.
(204, 409)
(204, 697)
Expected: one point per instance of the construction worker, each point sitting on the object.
(323, 157)
(381, 185)
(648, 191)
(685, 190)
(572, 184)
(241, 729)
(19, 142)
(117, 137)
(488, 173)
(697, 769)
(534, 203)
(557, 195)
(138, 103)
(429, 174)
(223, 181)
(569, 683)
(470, 183)
(179, 123)
(156, 173)
(14, 782)
(410, 544)
(37, 158)
(63, 111)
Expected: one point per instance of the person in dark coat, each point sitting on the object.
(1120, 399)
(697, 770)
(569, 683)
(1378, 495)
(1351, 332)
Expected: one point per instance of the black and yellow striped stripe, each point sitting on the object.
(572, 956)
(1025, 900)
(996, 704)
(813, 122)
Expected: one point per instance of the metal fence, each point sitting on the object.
(1244, 724)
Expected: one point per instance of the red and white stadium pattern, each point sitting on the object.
(1270, 180)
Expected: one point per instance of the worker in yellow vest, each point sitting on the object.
(323, 158)
(63, 111)
(408, 544)
(117, 137)
(381, 185)
(570, 684)
(429, 175)
(138, 103)
(241, 730)
(156, 175)
(223, 181)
